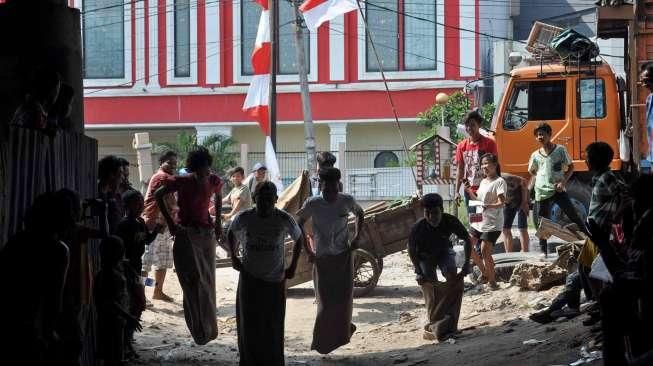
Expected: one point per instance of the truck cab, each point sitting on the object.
(582, 105)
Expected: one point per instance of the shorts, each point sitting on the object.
(446, 263)
(490, 236)
(509, 217)
(158, 255)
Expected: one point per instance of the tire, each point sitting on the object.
(579, 194)
(366, 272)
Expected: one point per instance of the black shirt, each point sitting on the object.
(426, 241)
(135, 237)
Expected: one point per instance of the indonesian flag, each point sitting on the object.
(256, 102)
(317, 12)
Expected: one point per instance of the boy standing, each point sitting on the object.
(240, 197)
(333, 268)
(195, 240)
(112, 303)
(468, 155)
(551, 167)
(429, 247)
(158, 255)
(135, 236)
(261, 232)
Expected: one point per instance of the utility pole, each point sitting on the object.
(274, 59)
(309, 127)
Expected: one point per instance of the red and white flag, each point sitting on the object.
(256, 102)
(317, 12)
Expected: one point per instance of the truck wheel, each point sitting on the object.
(366, 272)
(579, 194)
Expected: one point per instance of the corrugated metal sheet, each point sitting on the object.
(35, 163)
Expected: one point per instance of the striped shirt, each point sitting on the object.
(608, 192)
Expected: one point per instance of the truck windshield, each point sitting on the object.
(535, 101)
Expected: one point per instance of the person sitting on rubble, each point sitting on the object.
(41, 96)
(135, 236)
(429, 248)
(609, 192)
(112, 303)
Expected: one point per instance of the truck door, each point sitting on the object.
(529, 103)
(590, 114)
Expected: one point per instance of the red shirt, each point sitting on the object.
(151, 213)
(470, 154)
(193, 197)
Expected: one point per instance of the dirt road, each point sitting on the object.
(389, 321)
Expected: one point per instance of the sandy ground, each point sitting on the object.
(389, 321)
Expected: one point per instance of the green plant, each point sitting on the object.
(454, 111)
(220, 147)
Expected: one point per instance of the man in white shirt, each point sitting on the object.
(261, 295)
(333, 268)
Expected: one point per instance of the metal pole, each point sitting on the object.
(274, 57)
(309, 127)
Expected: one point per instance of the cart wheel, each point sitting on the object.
(366, 272)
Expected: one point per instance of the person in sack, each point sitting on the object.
(333, 266)
(551, 167)
(430, 248)
(492, 194)
(195, 240)
(261, 233)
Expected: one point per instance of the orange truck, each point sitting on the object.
(583, 103)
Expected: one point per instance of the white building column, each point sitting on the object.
(153, 32)
(337, 135)
(140, 45)
(205, 131)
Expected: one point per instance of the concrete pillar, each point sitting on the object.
(153, 36)
(244, 151)
(143, 149)
(337, 134)
(204, 131)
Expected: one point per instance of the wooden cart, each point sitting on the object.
(385, 231)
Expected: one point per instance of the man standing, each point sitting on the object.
(468, 155)
(158, 255)
(551, 167)
(646, 143)
(333, 268)
(261, 296)
(258, 175)
(195, 240)
(429, 247)
(516, 205)
(240, 197)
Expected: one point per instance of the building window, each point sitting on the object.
(249, 18)
(386, 159)
(402, 42)
(591, 98)
(182, 38)
(104, 39)
(535, 101)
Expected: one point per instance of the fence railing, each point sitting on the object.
(367, 174)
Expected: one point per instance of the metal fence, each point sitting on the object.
(367, 174)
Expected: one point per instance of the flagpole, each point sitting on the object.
(273, 6)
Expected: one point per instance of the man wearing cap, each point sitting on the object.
(429, 247)
(258, 175)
